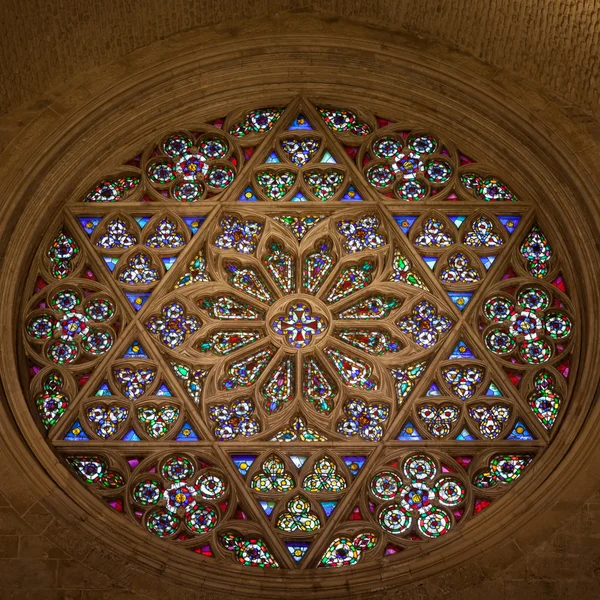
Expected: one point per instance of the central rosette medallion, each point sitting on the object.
(299, 325)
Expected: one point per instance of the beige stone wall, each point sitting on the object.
(545, 56)
(555, 43)
(42, 558)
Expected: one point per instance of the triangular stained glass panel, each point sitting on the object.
(89, 223)
(493, 390)
(243, 462)
(267, 506)
(328, 158)
(328, 506)
(409, 433)
(135, 351)
(163, 390)
(520, 433)
(354, 463)
(111, 262)
(510, 222)
(131, 436)
(297, 549)
(186, 434)
(460, 299)
(248, 196)
(104, 390)
(298, 460)
(194, 223)
(433, 390)
(351, 195)
(76, 434)
(430, 261)
(168, 261)
(142, 221)
(405, 223)
(300, 124)
(457, 219)
(465, 436)
(461, 351)
(272, 158)
(137, 300)
(487, 261)
(299, 197)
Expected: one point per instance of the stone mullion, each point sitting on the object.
(117, 297)
(97, 264)
(192, 412)
(351, 496)
(273, 542)
(437, 354)
(435, 288)
(99, 371)
(500, 265)
(507, 387)
(166, 284)
(240, 183)
(332, 141)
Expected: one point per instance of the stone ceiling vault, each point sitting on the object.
(554, 44)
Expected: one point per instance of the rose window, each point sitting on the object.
(299, 337)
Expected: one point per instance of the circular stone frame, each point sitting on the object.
(94, 126)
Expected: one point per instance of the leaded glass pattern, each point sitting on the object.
(299, 337)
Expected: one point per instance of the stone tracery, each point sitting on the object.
(357, 264)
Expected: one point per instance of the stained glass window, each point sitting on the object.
(299, 337)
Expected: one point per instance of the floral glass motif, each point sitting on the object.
(72, 328)
(433, 235)
(439, 419)
(185, 166)
(139, 271)
(256, 121)
(424, 325)
(117, 236)
(361, 234)
(196, 272)
(527, 326)
(299, 325)
(241, 236)
(402, 271)
(275, 184)
(463, 381)
(344, 121)
(106, 419)
(544, 400)
(323, 184)
(273, 477)
(482, 235)
(62, 253)
(458, 270)
(112, 190)
(165, 236)
(417, 499)
(502, 469)
(298, 518)
(173, 325)
(490, 189)
(300, 151)
(324, 478)
(490, 418)
(53, 402)
(363, 419)
(251, 552)
(235, 420)
(344, 551)
(537, 252)
(292, 332)
(299, 225)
